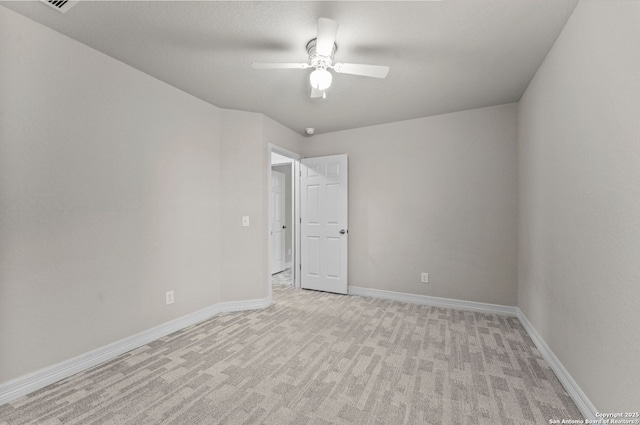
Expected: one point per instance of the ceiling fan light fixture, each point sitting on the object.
(321, 52)
(320, 79)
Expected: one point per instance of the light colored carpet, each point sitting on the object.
(285, 277)
(316, 358)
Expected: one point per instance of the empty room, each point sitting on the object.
(323, 212)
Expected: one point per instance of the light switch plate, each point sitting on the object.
(245, 220)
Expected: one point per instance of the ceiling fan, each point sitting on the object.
(321, 50)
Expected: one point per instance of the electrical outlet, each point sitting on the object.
(169, 297)
(424, 278)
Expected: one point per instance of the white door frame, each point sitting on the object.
(295, 206)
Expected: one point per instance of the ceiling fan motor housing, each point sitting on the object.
(318, 61)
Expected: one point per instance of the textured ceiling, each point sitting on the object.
(444, 56)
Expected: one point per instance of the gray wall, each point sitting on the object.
(245, 165)
(579, 207)
(437, 195)
(114, 188)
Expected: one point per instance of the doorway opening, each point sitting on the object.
(283, 218)
(308, 213)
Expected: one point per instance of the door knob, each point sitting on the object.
(342, 232)
(284, 227)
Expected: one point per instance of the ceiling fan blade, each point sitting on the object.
(327, 30)
(315, 93)
(281, 65)
(376, 71)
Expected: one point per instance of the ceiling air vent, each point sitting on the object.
(60, 5)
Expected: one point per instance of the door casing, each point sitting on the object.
(295, 213)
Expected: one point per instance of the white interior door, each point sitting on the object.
(277, 222)
(324, 223)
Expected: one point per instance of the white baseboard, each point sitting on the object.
(583, 403)
(19, 387)
(577, 395)
(434, 301)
